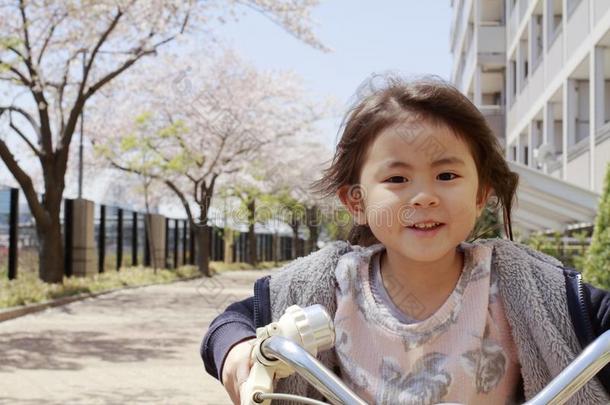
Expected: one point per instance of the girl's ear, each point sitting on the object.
(352, 198)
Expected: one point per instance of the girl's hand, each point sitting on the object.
(237, 368)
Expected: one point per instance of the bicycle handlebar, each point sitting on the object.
(311, 369)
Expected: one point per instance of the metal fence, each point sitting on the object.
(120, 238)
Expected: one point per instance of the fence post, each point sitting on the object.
(68, 237)
(184, 224)
(119, 244)
(166, 265)
(176, 240)
(134, 239)
(13, 238)
(101, 258)
(192, 245)
(147, 236)
(275, 240)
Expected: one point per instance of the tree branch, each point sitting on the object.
(167, 182)
(22, 78)
(48, 38)
(26, 35)
(22, 135)
(25, 181)
(183, 199)
(68, 129)
(25, 115)
(97, 47)
(37, 93)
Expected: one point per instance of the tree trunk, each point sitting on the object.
(228, 244)
(295, 238)
(275, 249)
(312, 242)
(313, 226)
(252, 248)
(51, 252)
(202, 233)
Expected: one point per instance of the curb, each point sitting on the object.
(16, 312)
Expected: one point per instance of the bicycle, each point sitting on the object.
(291, 344)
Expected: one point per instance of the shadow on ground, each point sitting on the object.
(62, 350)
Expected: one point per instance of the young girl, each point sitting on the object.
(423, 312)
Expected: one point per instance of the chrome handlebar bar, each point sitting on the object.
(311, 369)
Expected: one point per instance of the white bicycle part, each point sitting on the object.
(290, 345)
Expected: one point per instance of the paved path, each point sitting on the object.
(132, 346)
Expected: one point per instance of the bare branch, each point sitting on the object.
(183, 199)
(22, 78)
(139, 53)
(68, 129)
(97, 47)
(22, 135)
(25, 181)
(48, 38)
(168, 182)
(61, 88)
(215, 161)
(25, 115)
(26, 35)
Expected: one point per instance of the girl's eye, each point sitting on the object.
(396, 179)
(451, 174)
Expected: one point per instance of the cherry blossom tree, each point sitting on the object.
(299, 205)
(56, 55)
(248, 187)
(276, 186)
(198, 123)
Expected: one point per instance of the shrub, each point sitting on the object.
(597, 264)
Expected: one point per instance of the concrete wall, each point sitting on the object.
(578, 171)
(492, 39)
(157, 236)
(577, 27)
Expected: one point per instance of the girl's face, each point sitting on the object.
(419, 172)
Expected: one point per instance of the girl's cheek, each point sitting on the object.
(463, 212)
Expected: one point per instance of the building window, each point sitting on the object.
(556, 20)
(537, 42)
(572, 4)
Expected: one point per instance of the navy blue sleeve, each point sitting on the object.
(598, 303)
(599, 308)
(233, 326)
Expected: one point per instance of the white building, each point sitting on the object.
(540, 72)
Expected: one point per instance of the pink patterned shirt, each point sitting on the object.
(463, 353)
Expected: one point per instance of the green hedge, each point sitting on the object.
(597, 264)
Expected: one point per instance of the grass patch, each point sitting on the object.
(220, 267)
(29, 289)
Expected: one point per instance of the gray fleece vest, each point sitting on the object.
(531, 285)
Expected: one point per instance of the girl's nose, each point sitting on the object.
(425, 199)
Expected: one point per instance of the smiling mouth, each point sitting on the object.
(426, 227)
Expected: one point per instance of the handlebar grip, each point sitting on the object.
(259, 380)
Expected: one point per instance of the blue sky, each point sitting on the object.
(407, 36)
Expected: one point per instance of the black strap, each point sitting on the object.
(580, 314)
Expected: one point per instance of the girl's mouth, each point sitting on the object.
(426, 232)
